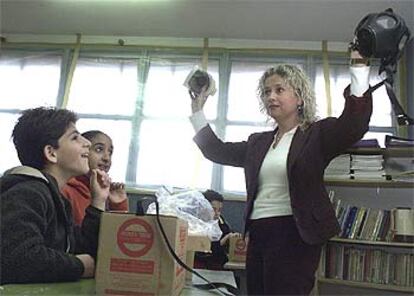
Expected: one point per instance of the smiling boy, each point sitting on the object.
(39, 242)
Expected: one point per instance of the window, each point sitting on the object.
(149, 123)
(98, 83)
(7, 151)
(27, 80)
(243, 100)
(165, 151)
(139, 100)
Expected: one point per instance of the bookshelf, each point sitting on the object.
(373, 266)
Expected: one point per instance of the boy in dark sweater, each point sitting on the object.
(39, 242)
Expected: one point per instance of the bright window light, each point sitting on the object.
(8, 153)
(98, 83)
(165, 94)
(28, 82)
(168, 156)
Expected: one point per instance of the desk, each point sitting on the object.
(87, 286)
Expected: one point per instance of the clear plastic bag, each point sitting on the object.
(192, 206)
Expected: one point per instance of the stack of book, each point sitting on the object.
(358, 263)
(367, 167)
(363, 223)
(339, 167)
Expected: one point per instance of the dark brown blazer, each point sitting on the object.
(310, 152)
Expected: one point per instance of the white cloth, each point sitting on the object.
(198, 120)
(359, 80)
(273, 198)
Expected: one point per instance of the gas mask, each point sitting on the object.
(384, 36)
(197, 80)
(381, 35)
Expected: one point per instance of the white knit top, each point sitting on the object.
(273, 198)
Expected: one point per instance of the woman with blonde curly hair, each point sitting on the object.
(288, 213)
(296, 78)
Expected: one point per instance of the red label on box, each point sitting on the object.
(135, 237)
(240, 245)
(133, 266)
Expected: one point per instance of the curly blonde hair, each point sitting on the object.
(299, 81)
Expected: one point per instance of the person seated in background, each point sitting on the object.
(77, 189)
(219, 249)
(39, 242)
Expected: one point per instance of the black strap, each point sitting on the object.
(402, 117)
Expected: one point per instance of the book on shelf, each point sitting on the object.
(375, 229)
(393, 141)
(360, 215)
(385, 226)
(366, 143)
(363, 223)
(368, 227)
(349, 221)
(339, 167)
(367, 167)
(371, 265)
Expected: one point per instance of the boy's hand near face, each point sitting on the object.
(99, 185)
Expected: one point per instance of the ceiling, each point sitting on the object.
(297, 20)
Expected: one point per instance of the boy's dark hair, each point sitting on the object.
(90, 135)
(212, 195)
(37, 128)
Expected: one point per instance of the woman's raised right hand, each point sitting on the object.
(198, 100)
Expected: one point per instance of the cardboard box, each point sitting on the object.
(195, 243)
(237, 249)
(133, 258)
(198, 243)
